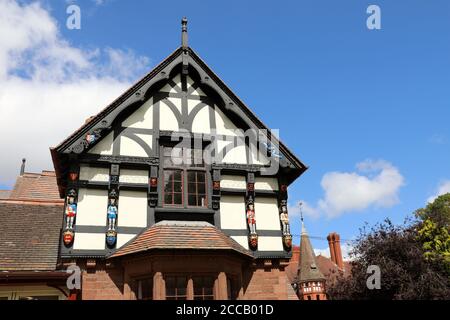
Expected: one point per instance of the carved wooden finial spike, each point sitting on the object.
(184, 34)
(22, 167)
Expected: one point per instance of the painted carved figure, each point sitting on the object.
(112, 210)
(251, 220)
(112, 214)
(71, 209)
(111, 237)
(284, 218)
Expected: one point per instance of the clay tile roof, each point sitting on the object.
(36, 186)
(181, 235)
(29, 236)
(4, 194)
(326, 266)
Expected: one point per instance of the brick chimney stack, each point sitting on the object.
(330, 239)
(334, 242)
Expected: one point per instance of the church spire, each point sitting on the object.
(311, 281)
(184, 33)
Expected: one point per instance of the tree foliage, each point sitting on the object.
(434, 231)
(413, 258)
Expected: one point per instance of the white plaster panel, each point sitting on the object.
(129, 147)
(89, 241)
(191, 104)
(267, 214)
(104, 146)
(168, 88)
(224, 124)
(94, 174)
(123, 238)
(196, 92)
(270, 244)
(142, 117)
(258, 157)
(201, 121)
(133, 176)
(132, 209)
(232, 212)
(242, 240)
(266, 183)
(233, 182)
(167, 120)
(236, 155)
(92, 207)
(176, 102)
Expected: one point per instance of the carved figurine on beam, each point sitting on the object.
(284, 218)
(251, 221)
(111, 234)
(71, 209)
(70, 212)
(93, 136)
(112, 210)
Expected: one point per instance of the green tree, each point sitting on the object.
(405, 273)
(434, 231)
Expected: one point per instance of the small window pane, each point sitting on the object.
(173, 187)
(176, 288)
(201, 177)
(191, 176)
(192, 188)
(192, 200)
(177, 175)
(177, 198)
(177, 186)
(201, 188)
(203, 288)
(168, 199)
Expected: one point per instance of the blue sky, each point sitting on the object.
(339, 93)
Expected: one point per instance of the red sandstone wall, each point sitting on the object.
(266, 284)
(102, 285)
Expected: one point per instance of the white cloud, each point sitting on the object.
(373, 184)
(48, 87)
(443, 188)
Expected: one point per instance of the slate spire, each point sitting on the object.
(307, 267)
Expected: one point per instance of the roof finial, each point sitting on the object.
(22, 167)
(300, 204)
(184, 34)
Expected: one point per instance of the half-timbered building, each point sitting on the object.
(177, 190)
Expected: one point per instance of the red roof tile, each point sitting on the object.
(36, 186)
(4, 194)
(181, 235)
(29, 236)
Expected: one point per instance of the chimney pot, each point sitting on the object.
(337, 251)
(330, 239)
(22, 167)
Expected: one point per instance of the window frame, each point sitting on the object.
(203, 295)
(185, 169)
(190, 285)
(136, 288)
(176, 276)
